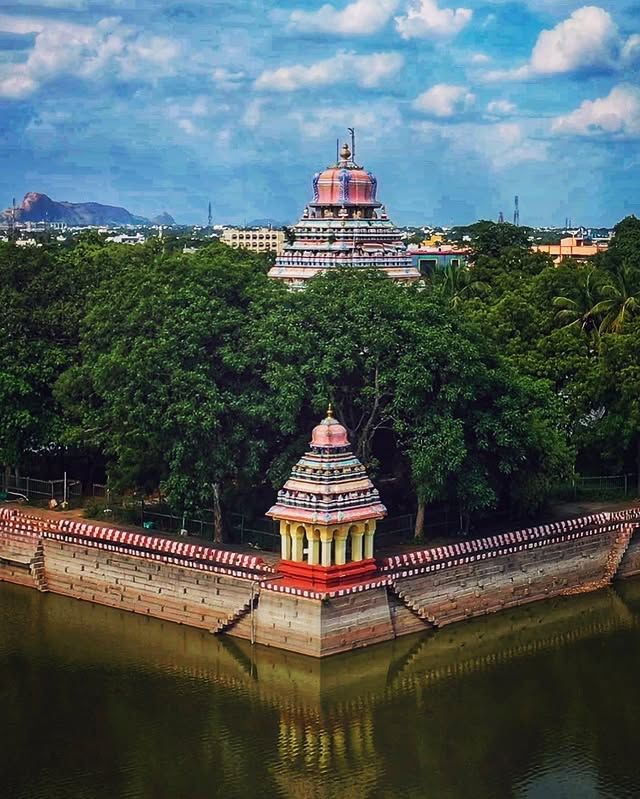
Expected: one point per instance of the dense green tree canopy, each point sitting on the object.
(197, 375)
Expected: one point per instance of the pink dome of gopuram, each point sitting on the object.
(345, 184)
(344, 227)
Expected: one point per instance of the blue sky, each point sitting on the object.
(458, 106)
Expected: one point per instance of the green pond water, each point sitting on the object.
(542, 702)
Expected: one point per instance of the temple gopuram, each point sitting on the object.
(343, 226)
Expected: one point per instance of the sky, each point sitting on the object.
(458, 106)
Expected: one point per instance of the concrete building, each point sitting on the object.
(576, 248)
(257, 239)
(428, 259)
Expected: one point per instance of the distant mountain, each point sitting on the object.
(36, 207)
(163, 219)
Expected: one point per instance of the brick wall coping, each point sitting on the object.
(236, 564)
(307, 593)
(490, 543)
(411, 564)
(167, 549)
(463, 559)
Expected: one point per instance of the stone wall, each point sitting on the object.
(222, 591)
(175, 593)
(464, 590)
(18, 549)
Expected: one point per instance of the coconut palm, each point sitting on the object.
(620, 299)
(458, 283)
(579, 309)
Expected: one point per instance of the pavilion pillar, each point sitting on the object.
(297, 544)
(369, 532)
(285, 540)
(326, 538)
(340, 537)
(313, 547)
(356, 543)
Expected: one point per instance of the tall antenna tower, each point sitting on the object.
(12, 218)
(209, 217)
(516, 211)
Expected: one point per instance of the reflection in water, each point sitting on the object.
(537, 702)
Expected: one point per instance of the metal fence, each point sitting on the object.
(258, 533)
(32, 488)
(600, 486)
(264, 533)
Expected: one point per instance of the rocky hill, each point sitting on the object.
(36, 207)
(163, 219)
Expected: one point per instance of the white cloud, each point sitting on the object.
(617, 114)
(631, 51)
(72, 4)
(502, 145)
(479, 58)
(500, 107)
(227, 78)
(359, 18)
(189, 127)
(587, 40)
(108, 48)
(444, 100)
(373, 120)
(425, 18)
(367, 71)
(252, 116)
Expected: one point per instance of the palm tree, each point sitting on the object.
(620, 299)
(579, 310)
(458, 283)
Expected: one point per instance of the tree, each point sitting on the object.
(43, 295)
(620, 397)
(161, 389)
(493, 239)
(620, 299)
(578, 309)
(458, 283)
(407, 376)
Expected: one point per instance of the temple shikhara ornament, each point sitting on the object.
(327, 511)
(343, 226)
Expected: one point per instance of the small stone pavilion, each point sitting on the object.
(328, 510)
(343, 226)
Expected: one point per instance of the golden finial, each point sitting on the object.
(330, 411)
(345, 152)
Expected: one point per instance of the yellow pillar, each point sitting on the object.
(340, 537)
(356, 543)
(326, 537)
(370, 529)
(297, 544)
(285, 540)
(313, 546)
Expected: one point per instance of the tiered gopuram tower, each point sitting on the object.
(343, 226)
(328, 510)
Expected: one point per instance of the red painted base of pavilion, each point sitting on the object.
(319, 577)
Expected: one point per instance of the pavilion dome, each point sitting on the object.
(329, 433)
(346, 183)
(328, 484)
